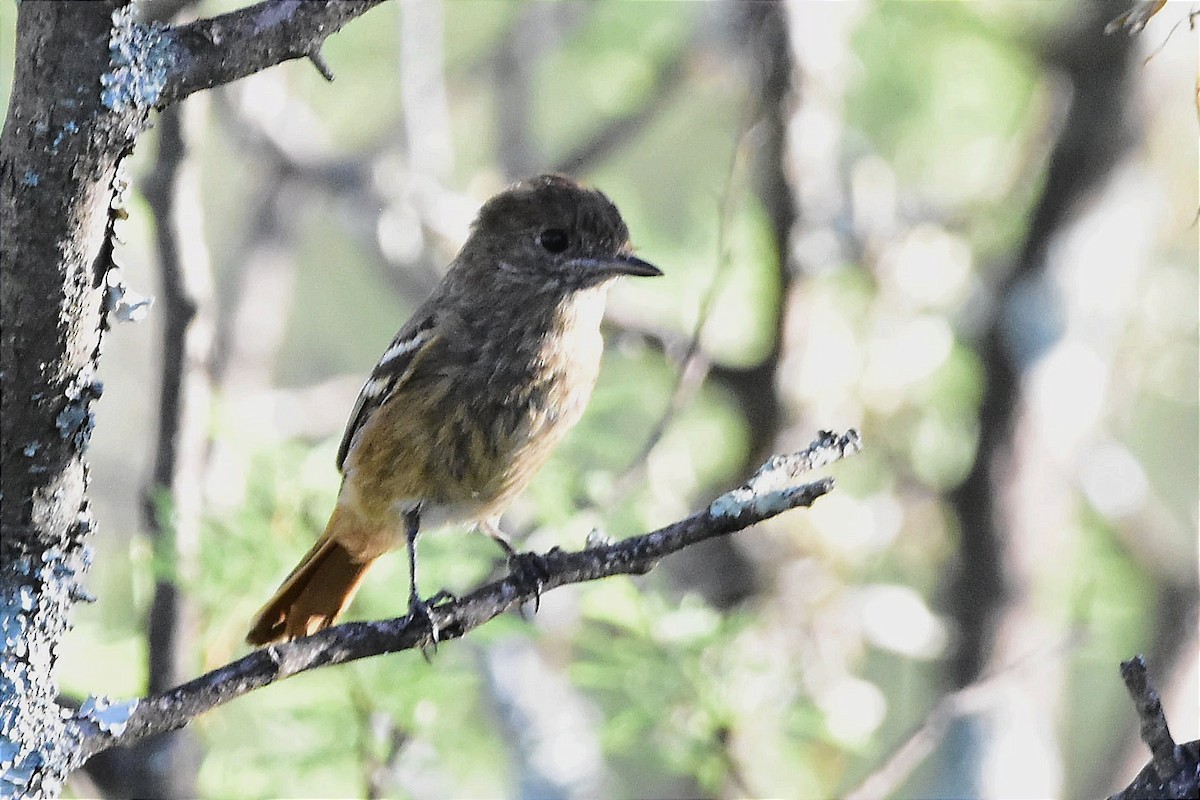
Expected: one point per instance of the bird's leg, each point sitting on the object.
(417, 606)
(528, 568)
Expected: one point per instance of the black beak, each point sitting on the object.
(632, 265)
(625, 264)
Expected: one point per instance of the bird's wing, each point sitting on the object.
(395, 366)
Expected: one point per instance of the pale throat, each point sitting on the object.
(575, 327)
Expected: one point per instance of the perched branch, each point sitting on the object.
(1174, 770)
(219, 50)
(101, 724)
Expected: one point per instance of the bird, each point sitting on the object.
(470, 397)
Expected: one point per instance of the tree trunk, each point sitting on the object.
(59, 158)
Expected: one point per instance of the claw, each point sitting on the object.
(422, 608)
(442, 596)
(529, 569)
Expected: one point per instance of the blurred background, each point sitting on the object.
(968, 230)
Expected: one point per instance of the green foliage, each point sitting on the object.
(952, 104)
(660, 671)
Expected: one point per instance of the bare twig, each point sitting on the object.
(1170, 647)
(218, 50)
(1174, 770)
(101, 724)
(317, 58)
(1154, 729)
(1150, 711)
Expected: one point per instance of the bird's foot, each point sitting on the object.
(423, 609)
(529, 571)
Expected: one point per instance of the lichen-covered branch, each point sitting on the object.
(101, 723)
(211, 52)
(86, 78)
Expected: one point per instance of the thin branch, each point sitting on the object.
(1174, 770)
(218, 50)
(1154, 730)
(322, 66)
(1171, 645)
(101, 724)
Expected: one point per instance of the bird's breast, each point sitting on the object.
(550, 387)
(465, 439)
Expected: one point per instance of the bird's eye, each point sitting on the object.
(554, 240)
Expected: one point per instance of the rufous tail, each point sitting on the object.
(316, 591)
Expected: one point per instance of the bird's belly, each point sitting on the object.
(466, 473)
(461, 452)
